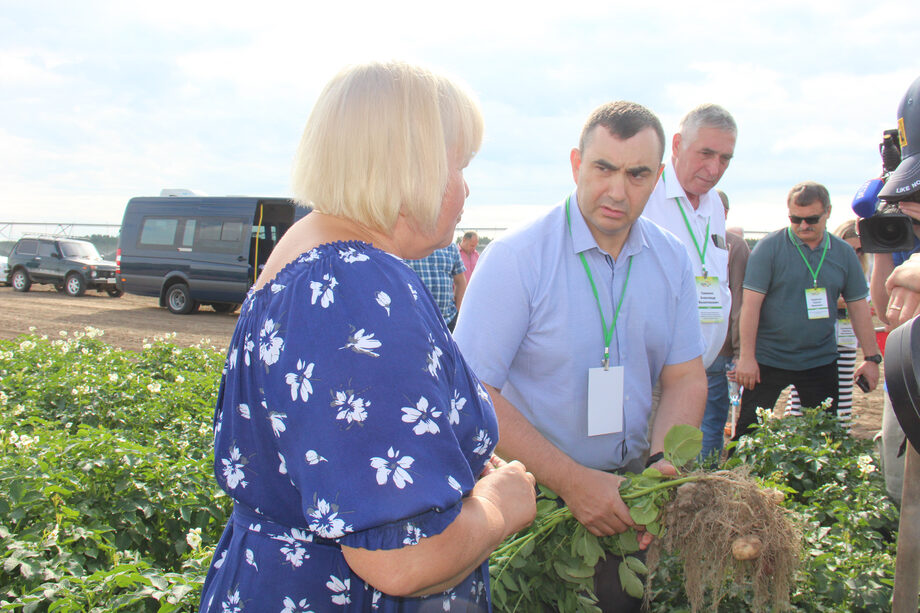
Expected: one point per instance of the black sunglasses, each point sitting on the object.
(796, 220)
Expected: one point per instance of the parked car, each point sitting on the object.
(72, 266)
(4, 270)
(192, 250)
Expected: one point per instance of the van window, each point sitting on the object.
(188, 234)
(219, 236)
(27, 247)
(158, 232)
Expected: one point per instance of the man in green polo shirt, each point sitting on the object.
(789, 310)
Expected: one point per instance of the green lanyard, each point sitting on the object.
(814, 273)
(608, 332)
(699, 252)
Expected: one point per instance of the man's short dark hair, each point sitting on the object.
(622, 119)
(469, 234)
(807, 192)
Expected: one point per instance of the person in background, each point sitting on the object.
(468, 252)
(686, 203)
(442, 273)
(846, 339)
(736, 230)
(572, 320)
(714, 419)
(903, 187)
(350, 433)
(788, 312)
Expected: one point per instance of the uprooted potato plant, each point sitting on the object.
(726, 529)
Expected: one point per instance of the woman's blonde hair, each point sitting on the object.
(848, 230)
(377, 143)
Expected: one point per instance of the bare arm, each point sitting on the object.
(882, 267)
(592, 495)
(746, 370)
(865, 334)
(683, 399)
(459, 288)
(502, 503)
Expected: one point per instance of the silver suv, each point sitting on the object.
(71, 265)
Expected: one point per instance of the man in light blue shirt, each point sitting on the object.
(590, 282)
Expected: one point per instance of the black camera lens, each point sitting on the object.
(890, 231)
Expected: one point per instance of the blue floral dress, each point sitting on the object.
(346, 415)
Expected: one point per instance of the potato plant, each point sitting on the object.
(107, 499)
(108, 502)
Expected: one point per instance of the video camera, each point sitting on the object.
(883, 228)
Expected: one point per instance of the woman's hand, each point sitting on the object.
(510, 489)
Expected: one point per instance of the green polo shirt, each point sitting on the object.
(786, 338)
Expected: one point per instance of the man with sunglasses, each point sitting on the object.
(788, 310)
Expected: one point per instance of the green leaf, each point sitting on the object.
(629, 542)
(636, 565)
(682, 443)
(631, 582)
(644, 510)
(593, 550)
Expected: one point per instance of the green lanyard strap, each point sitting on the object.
(608, 332)
(814, 273)
(699, 252)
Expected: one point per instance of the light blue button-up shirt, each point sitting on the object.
(530, 326)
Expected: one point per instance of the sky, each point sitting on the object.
(103, 101)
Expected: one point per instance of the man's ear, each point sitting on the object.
(675, 144)
(575, 158)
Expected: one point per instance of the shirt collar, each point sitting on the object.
(800, 243)
(583, 240)
(673, 189)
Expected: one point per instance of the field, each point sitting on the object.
(108, 500)
(129, 320)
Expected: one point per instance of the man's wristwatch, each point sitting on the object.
(877, 358)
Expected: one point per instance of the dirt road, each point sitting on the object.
(129, 320)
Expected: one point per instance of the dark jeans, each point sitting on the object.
(612, 598)
(814, 386)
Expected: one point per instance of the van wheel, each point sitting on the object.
(179, 300)
(114, 292)
(20, 280)
(74, 285)
(225, 307)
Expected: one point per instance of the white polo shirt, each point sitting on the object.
(662, 208)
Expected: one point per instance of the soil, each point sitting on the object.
(130, 320)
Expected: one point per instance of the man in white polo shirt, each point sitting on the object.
(686, 203)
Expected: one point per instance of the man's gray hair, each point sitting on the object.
(706, 116)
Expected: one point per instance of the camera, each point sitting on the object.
(884, 228)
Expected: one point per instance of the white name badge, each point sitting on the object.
(816, 303)
(845, 334)
(605, 400)
(707, 300)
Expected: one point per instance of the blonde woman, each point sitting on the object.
(353, 438)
